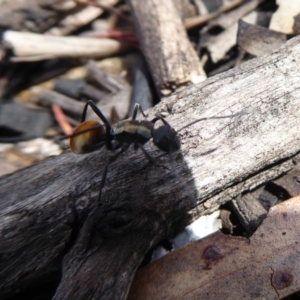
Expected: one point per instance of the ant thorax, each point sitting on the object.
(133, 131)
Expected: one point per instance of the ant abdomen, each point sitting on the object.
(87, 137)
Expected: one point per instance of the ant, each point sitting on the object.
(91, 135)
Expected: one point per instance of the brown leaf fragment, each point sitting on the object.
(220, 44)
(258, 40)
(226, 267)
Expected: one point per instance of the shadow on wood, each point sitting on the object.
(43, 216)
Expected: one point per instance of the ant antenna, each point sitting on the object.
(209, 118)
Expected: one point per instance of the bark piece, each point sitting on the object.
(172, 60)
(219, 160)
(291, 182)
(258, 40)
(91, 92)
(103, 78)
(225, 267)
(296, 27)
(68, 104)
(71, 88)
(19, 123)
(116, 104)
(77, 88)
(252, 207)
(250, 212)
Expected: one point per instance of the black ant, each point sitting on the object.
(91, 135)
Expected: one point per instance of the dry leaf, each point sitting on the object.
(266, 266)
(219, 45)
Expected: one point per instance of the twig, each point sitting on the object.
(61, 119)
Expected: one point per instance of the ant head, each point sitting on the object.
(165, 138)
(87, 137)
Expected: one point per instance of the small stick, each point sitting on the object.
(61, 119)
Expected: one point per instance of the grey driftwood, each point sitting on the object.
(43, 208)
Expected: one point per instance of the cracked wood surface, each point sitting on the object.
(43, 207)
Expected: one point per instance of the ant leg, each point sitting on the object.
(111, 160)
(83, 115)
(105, 171)
(135, 111)
(91, 217)
(97, 111)
(89, 222)
(161, 119)
(137, 108)
(148, 156)
(109, 130)
(103, 179)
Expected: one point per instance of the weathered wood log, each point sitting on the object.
(43, 207)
